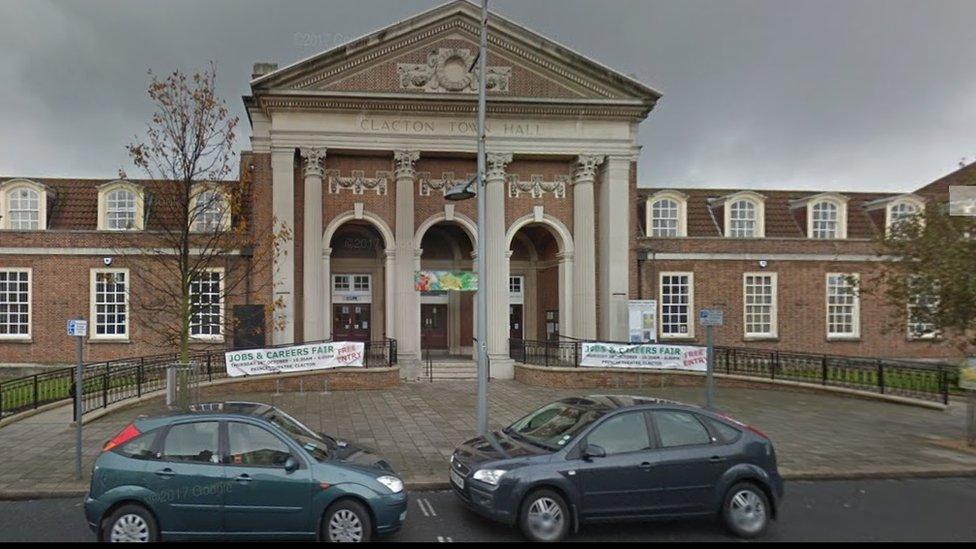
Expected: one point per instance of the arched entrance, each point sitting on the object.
(540, 270)
(356, 282)
(446, 321)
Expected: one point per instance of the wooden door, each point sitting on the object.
(433, 326)
(350, 322)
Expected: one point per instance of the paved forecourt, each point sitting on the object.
(417, 425)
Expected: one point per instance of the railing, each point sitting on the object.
(918, 380)
(108, 382)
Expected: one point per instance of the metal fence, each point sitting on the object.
(920, 380)
(113, 381)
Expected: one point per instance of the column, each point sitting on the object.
(389, 295)
(584, 238)
(326, 273)
(406, 303)
(283, 208)
(566, 273)
(496, 266)
(312, 287)
(614, 244)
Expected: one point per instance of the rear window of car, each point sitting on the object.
(139, 447)
(723, 431)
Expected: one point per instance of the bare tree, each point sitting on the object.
(200, 249)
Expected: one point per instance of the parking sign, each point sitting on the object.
(77, 328)
(711, 317)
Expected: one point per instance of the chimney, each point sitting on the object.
(263, 68)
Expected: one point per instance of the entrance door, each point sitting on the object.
(350, 322)
(515, 328)
(433, 326)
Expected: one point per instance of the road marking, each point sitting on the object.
(426, 507)
(442, 539)
(420, 503)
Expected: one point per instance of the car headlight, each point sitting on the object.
(394, 484)
(489, 476)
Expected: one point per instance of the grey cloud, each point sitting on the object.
(839, 94)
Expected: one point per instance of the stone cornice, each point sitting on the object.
(421, 104)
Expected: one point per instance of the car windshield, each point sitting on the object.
(312, 442)
(553, 426)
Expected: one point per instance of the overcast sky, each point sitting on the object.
(813, 94)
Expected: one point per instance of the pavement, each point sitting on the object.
(416, 426)
(921, 510)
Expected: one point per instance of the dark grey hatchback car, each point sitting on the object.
(607, 458)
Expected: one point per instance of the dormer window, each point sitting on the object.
(824, 220)
(744, 215)
(120, 207)
(900, 210)
(23, 206)
(666, 215)
(211, 211)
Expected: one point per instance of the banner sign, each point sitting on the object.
(643, 320)
(648, 355)
(298, 358)
(437, 281)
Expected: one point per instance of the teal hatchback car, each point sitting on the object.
(239, 470)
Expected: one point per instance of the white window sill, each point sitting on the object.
(109, 340)
(206, 339)
(855, 337)
(16, 339)
(756, 337)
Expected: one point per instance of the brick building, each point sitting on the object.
(352, 150)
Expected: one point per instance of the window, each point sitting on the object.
(15, 303)
(620, 434)
(745, 215)
(207, 305)
(23, 209)
(925, 300)
(515, 285)
(665, 211)
(193, 442)
(252, 445)
(676, 303)
(110, 303)
(341, 283)
(23, 205)
(825, 220)
(742, 219)
(120, 207)
(210, 211)
(843, 315)
(120, 210)
(140, 447)
(902, 210)
(360, 283)
(679, 429)
(723, 431)
(552, 325)
(759, 305)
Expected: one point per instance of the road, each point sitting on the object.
(868, 510)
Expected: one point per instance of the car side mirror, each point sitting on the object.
(593, 451)
(291, 464)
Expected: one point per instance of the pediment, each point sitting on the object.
(428, 55)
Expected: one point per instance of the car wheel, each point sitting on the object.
(544, 516)
(347, 521)
(130, 523)
(746, 510)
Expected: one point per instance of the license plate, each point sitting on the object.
(457, 479)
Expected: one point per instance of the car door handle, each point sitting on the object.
(716, 459)
(243, 477)
(646, 465)
(165, 473)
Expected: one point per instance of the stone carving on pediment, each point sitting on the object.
(443, 184)
(446, 70)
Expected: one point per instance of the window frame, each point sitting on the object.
(216, 338)
(910, 335)
(774, 312)
(841, 205)
(855, 313)
(712, 439)
(93, 305)
(8, 187)
(30, 305)
(225, 220)
(903, 201)
(682, 206)
(140, 206)
(691, 305)
(164, 433)
(225, 445)
(653, 444)
(758, 203)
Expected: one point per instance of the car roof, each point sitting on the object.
(607, 403)
(226, 408)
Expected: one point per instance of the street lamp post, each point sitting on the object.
(463, 192)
